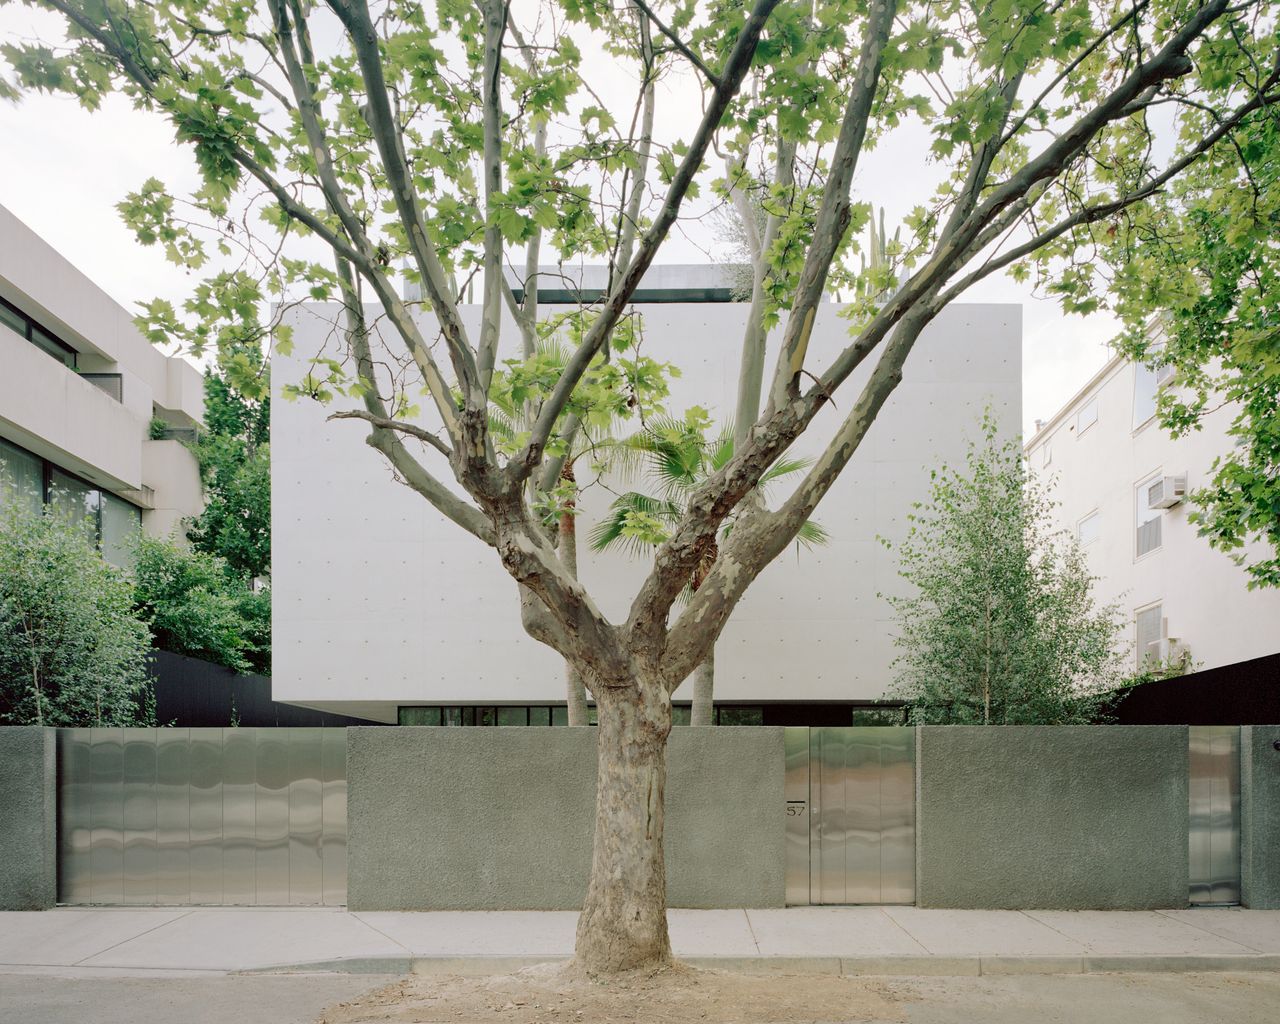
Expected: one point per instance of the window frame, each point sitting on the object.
(1082, 429)
(1095, 514)
(31, 325)
(1139, 506)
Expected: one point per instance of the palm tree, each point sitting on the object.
(676, 456)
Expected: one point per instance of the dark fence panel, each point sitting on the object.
(191, 693)
(1246, 693)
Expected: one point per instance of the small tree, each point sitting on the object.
(235, 468)
(1001, 628)
(194, 604)
(72, 652)
(678, 457)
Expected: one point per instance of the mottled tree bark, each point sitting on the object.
(704, 682)
(575, 689)
(623, 925)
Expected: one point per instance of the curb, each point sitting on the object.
(920, 966)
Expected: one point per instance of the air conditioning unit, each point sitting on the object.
(1167, 650)
(1167, 491)
(1165, 373)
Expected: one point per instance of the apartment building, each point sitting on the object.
(385, 610)
(79, 389)
(1122, 483)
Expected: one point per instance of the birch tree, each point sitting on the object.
(337, 141)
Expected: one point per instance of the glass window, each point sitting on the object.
(21, 477)
(559, 715)
(740, 716)
(540, 716)
(11, 320)
(1046, 454)
(419, 716)
(1087, 529)
(681, 714)
(75, 501)
(120, 525)
(1147, 521)
(1145, 387)
(51, 345)
(876, 716)
(1086, 417)
(1149, 628)
(513, 716)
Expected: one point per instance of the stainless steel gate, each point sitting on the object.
(1214, 838)
(202, 816)
(850, 815)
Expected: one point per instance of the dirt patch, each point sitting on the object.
(553, 994)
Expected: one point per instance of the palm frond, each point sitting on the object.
(615, 529)
(812, 535)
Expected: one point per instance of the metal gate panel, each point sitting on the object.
(1214, 834)
(850, 826)
(181, 817)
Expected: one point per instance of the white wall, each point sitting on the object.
(379, 600)
(1204, 595)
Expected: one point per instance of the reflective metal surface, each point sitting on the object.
(202, 816)
(850, 815)
(1214, 840)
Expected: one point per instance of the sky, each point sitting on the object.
(63, 169)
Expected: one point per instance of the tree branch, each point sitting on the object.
(401, 426)
(677, 42)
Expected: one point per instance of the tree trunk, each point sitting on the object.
(704, 680)
(575, 689)
(623, 925)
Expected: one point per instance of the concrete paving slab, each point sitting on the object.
(248, 938)
(711, 933)
(477, 933)
(982, 933)
(1134, 933)
(1257, 929)
(831, 931)
(67, 936)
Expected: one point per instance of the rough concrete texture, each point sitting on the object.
(28, 810)
(501, 818)
(1260, 816)
(1052, 817)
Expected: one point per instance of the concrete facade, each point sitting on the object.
(501, 819)
(56, 413)
(380, 602)
(1260, 816)
(1098, 453)
(28, 819)
(1052, 817)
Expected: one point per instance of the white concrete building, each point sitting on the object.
(79, 386)
(381, 604)
(1119, 478)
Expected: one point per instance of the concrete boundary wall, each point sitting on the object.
(1260, 817)
(28, 819)
(501, 818)
(1052, 817)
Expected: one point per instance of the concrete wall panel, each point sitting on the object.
(501, 818)
(1260, 816)
(28, 811)
(1052, 817)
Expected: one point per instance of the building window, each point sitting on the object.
(107, 521)
(18, 322)
(1087, 416)
(1145, 387)
(1087, 528)
(1147, 520)
(1148, 630)
(1046, 454)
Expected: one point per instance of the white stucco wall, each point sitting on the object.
(379, 600)
(1203, 594)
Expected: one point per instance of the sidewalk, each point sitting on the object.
(851, 940)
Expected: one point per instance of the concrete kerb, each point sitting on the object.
(858, 966)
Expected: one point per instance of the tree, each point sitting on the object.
(235, 468)
(72, 652)
(1000, 626)
(678, 457)
(408, 136)
(1204, 256)
(194, 604)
